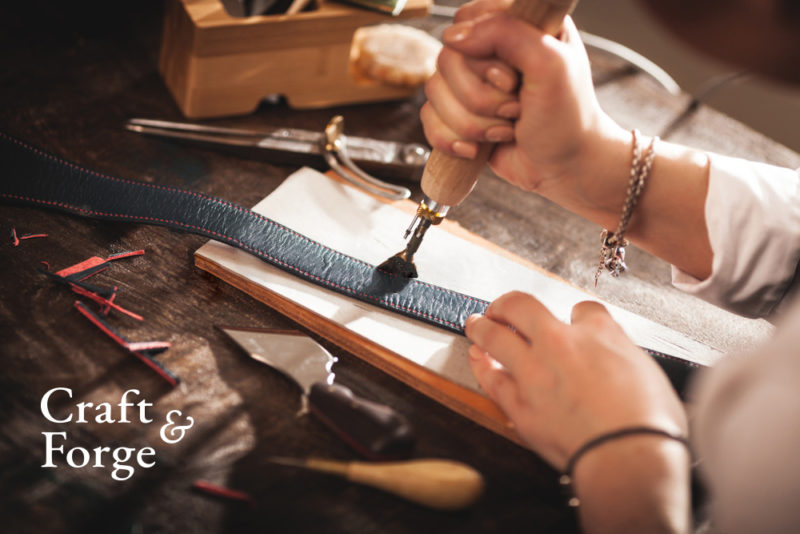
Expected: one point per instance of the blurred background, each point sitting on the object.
(768, 107)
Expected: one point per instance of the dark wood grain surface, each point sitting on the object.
(71, 75)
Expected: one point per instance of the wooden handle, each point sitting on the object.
(440, 484)
(449, 179)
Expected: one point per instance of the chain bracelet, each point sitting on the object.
(612, 244)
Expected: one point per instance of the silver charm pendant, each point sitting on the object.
(612, 255)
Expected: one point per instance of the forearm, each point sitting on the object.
(633, 485)
(669, 219)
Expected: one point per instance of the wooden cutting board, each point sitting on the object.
(423, 356)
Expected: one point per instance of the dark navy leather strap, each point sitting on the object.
(35, 177)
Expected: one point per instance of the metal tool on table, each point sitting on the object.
(447, 180)
(347, 155)
(374, 430)
(440, 484)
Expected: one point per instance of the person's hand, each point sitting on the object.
(547, 120)
(564, 384)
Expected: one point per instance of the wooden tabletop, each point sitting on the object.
(71, 76)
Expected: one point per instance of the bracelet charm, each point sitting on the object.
(612, 248)
(612, 254)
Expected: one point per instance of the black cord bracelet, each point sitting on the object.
(566, 478)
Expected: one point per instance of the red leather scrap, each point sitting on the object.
(107, 307)
(90, 266)
(220, 491)
(106, 303)
(75, 275)
(82, 267)
(145, 351)
(15, 239)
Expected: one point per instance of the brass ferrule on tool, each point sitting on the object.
(429, 212)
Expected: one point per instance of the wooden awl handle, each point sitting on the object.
(449, 179)
(435, 483)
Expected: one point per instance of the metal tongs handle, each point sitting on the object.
(332, 145)
(335, 147)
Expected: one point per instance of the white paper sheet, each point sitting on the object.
(345, 219)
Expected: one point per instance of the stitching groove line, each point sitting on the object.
(253, 250)
(216, 200)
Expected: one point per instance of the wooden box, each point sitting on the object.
(216, 65)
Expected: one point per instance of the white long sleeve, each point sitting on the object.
(746, 409)
(753, 220)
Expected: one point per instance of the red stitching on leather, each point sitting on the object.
(254, 251)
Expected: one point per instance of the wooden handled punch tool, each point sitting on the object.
(447, 180)
(434, 483)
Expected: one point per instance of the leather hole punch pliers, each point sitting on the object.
(336, 151)
(347, 155)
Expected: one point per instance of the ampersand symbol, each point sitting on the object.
(176, 432)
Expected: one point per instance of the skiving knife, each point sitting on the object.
(375, 430)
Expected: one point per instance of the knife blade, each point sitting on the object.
(375, 430)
